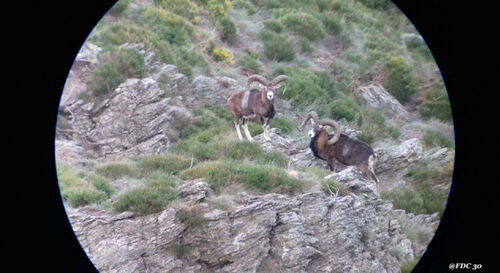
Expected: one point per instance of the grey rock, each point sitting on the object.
(375, 96)
(309, 232)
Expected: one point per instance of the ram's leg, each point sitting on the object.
(265, 128)
(331, 164)
(371, 165)
(237, 126)
(245, 129)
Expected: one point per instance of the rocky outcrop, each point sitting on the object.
(310, 232)
(375, 96)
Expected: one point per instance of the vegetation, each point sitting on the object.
(277, 47)
(436, 104)
(114, 68)
(400, 82)
(79, 189)
(364, 44)
(255, 177)
(152, 197)
(418, 196)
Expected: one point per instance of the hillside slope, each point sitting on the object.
(145, 139)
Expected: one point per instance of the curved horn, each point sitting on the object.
(257, 78)
(281, 78)
(336, 128)
(310, 115)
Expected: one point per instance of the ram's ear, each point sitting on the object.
(312, 122)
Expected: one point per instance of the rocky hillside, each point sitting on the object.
(154, 178)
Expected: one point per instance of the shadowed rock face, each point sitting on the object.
(311, 232)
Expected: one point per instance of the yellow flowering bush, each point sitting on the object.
(218, 8)
(221, 54)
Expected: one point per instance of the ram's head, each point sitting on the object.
(270, 86)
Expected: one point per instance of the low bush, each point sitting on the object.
(250, 62)
(376, 4)
(222, 54)
(407, 266)
(400, 81)
(227, 30)
(117, 170)
(171, 27)
(331, 23)
(305, 86)
(191, 216)
(277, 47)
(286, 125)
(273, 25)
(255, 177)
(77, 190)
(114, 68)
(374, 126)
(436, 104)
(418, 196)
(303, 24)
(167, 164)
(152, 197)
(184, 8)
(436, 139)
(275, 158)
(119, 7)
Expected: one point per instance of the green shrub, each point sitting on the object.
(191, 216)
(248, 61)
(304, 45)
(406, 198)
(418, 196)
(376, 4)
(167, 163)
(277, 47)
(273, 25)
(417, 45)
(255, 177)
(286, 125)
(203, 145)
(149, 198)
(275, 158)
(76, 190)
(374, 126)
(82, 196)
(400, 81)
(304, 85)
(238, 150)
(184, 8)
(436, 139)
(169, 26)
(100, 183)
(407, 266)
(119, 7)
(116, 34)
(228, 30)
(117, 170)
(331, 23)
(114, 68)
(251, 10)
(344, 107)
(436, 104)
(304, 25)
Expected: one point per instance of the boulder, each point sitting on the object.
(375, 96)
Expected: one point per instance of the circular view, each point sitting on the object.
(254, 136)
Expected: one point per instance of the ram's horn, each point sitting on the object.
(257, 78)
(336, 128)
(281, 78)
(310, 115)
